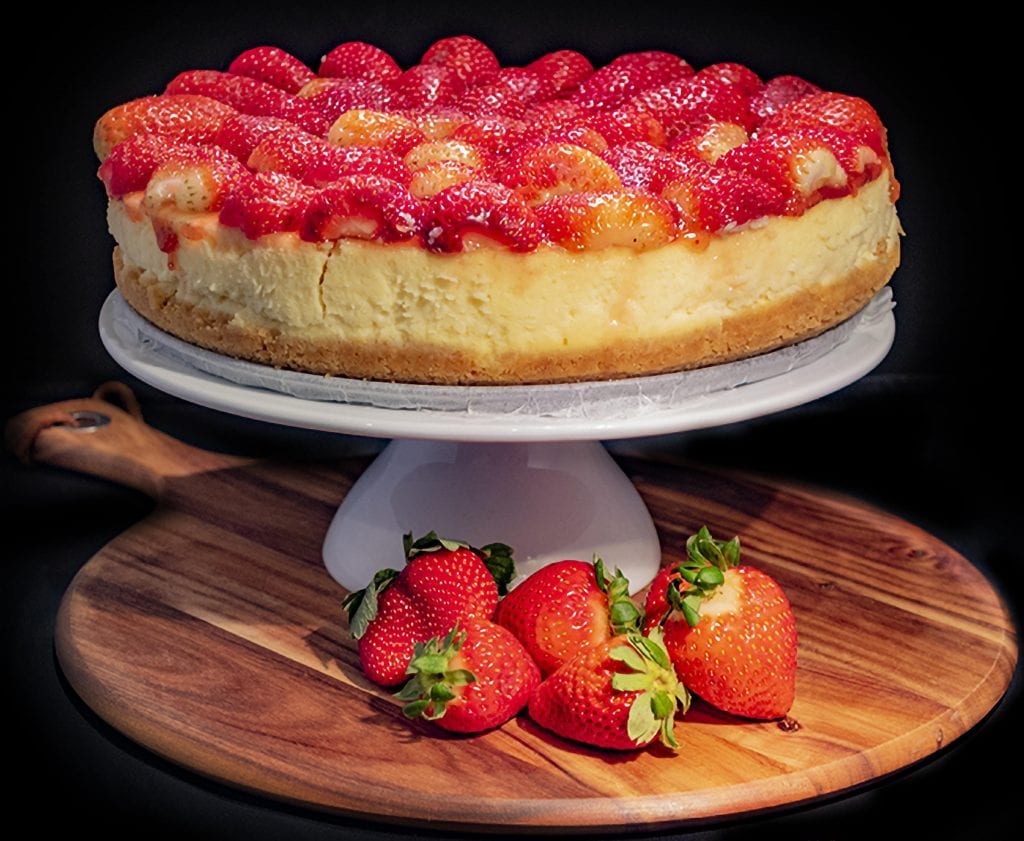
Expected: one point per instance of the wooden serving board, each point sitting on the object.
(211, 633)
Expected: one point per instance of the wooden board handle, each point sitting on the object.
(93, 435)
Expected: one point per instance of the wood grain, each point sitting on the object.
(211, 634)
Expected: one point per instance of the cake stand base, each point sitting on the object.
(547, 500)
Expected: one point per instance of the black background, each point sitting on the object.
(929, 435)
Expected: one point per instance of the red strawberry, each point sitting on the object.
(360, 127)
(696, 100)
(250, 96)
(561, 71)
(800, 166)
(624, 125)
(189, 118)
(748, 82)
(471, 59)
(274, 66)
(849, 113)
(436, 123)
(342, 95)
(507, 95)
(576, 133)
(537, 173)
(643, 167)
(588, 221)
(616, 83)
(778, 93)
(130, 164)
(664, 64)
(266, 203)
(242, 133)
(474, 679)
(315, 161)
(565, 607)
(479, 213)
(359, 60)
(362, 207)
(497, 135)
(427, 85)
(443, 583)
(729, 629)
(621, 694)
(194, 180)
(713, 198)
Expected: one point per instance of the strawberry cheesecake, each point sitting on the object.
(461, 222)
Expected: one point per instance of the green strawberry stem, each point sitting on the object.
(624, 615)
(661, 693)
(707, 560)
(497, 557)
(433, 682)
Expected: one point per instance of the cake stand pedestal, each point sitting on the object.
(523, 466)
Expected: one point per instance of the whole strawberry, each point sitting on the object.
(475, 678)
(622, 694)
(443, 583)
(729, 629)
(565, 607)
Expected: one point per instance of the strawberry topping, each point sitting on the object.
(479, 213)
(274, 66)
(362, 207)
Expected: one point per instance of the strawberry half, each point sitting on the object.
(591, 220)
(427, 86)
(184, 117)
(778, 93)
(273, 66)
(130, 164)
(565, 607)
(714, 198)
(622, 695)
(265, 203)
(361, 127)
(241, 133)
(336, 96)
(537, 173)
(250, 96)
(480, 213)
(193, 180)
(362, 207)
(561, 71)
(317, 162)
(474, 679)
(849, 113)
(728, 628)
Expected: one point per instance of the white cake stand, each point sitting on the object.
(520, 465)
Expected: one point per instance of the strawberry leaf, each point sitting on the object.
(430, 542)
(497, 558)
(642, 725)
(361, 605)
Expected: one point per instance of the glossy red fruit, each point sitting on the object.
(561, 71)
(241, 133)
(480, 213)
(427, 86)
(250, 96)
(274, 66)
(624, 125)
(852, 114)
(342, 95)
(620, 695)
(778, 93)
(386, 130)
(729, 629)
(443, 583)
(130, 164)
(495, 134)
(193, 180)
(359, 60)
(693, 101)
(709, 141)
(317, 162)
(745, 79)
(474, 679)
(801, 166)
(538, 173)
(185, 118)
(643, 167)
(266, 203)
(565, 607)
(362, 207)
(473, 61)
(614, 84)
(591, 220)
(712, 198)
